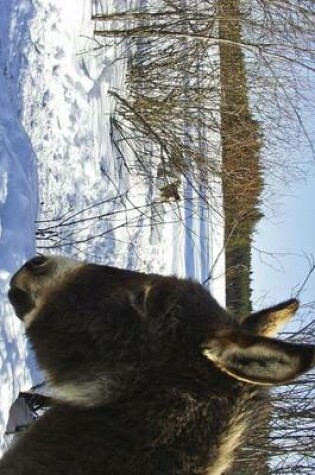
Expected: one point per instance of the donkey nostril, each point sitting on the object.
(36, 264)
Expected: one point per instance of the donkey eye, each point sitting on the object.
(138, 299)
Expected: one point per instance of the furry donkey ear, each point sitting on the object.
(256, 359)
(268, 322)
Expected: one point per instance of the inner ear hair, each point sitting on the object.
(257, 359)
(269, 321)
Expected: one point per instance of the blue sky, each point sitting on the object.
(288, 232)
(290, 235)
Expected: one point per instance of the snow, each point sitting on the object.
(62, 176)
(18, 205)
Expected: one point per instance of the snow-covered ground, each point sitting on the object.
(62, 175)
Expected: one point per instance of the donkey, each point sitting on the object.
(150, 375)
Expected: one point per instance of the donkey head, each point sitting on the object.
(97, 329)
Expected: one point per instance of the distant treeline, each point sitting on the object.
(242, 174)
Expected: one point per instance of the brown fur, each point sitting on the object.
(151, 376)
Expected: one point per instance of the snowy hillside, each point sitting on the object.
(61, 169)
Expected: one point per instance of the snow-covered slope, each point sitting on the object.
(59, 166)
(18, 212)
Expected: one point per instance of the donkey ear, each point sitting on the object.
(268, 322)
(256, 359)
